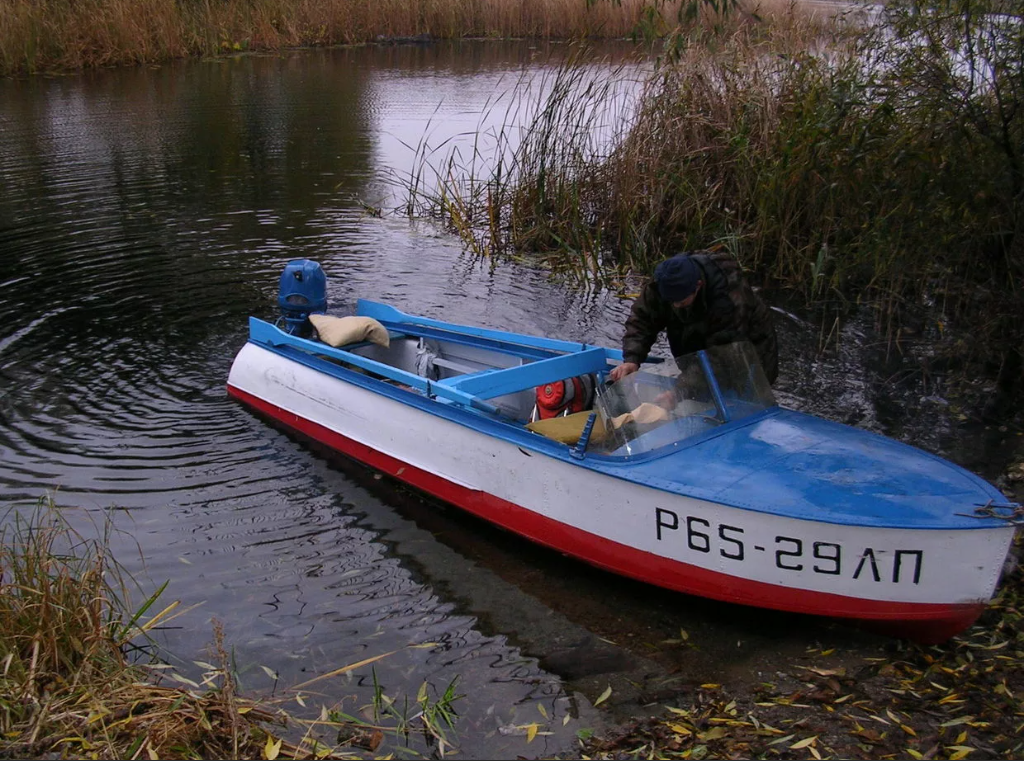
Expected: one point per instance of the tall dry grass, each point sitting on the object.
(703, 158)
(39, 35)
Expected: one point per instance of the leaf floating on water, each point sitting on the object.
(840, 671)
(604, 696)
(957, 721)
(531, 732)
(803, 743)
(271, 749)
(270, 672)
(179, 678)
(543, 710)
(959, 751)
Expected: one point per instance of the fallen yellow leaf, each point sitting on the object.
(271, 749)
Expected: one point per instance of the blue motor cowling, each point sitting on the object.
(303, 292)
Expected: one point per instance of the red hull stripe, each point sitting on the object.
(927, 622)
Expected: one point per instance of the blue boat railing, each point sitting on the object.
(265, 334)
(388, 314)
(466, 390)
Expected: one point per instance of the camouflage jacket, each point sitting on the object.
(726, 310)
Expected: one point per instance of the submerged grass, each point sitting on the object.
(80, 679)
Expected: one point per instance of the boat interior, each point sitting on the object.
(504, 378)
(500, 375)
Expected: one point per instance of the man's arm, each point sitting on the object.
(644, 323)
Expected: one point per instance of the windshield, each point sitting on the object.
(678, 399)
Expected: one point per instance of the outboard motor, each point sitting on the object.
(303, 292)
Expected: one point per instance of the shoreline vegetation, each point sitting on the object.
(81, 676)
(875, 163)
(62, 35)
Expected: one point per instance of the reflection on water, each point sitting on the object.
(145, 214)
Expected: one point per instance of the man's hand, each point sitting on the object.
(621, 371)
(666, 399)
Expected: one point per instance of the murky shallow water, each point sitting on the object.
(145, 215)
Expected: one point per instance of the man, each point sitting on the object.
(699, 299)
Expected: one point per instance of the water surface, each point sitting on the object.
(146, 213)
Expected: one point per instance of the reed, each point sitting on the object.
(834, 160)
(41, 35)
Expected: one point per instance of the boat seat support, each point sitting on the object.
(510, 380)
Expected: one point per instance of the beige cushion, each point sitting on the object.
(568, 428)
(341, 331)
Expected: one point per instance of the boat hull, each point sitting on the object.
(923, 584)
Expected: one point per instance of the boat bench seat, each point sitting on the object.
(489, 384)
(459, 367)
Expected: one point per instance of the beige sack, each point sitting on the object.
(342, 331)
